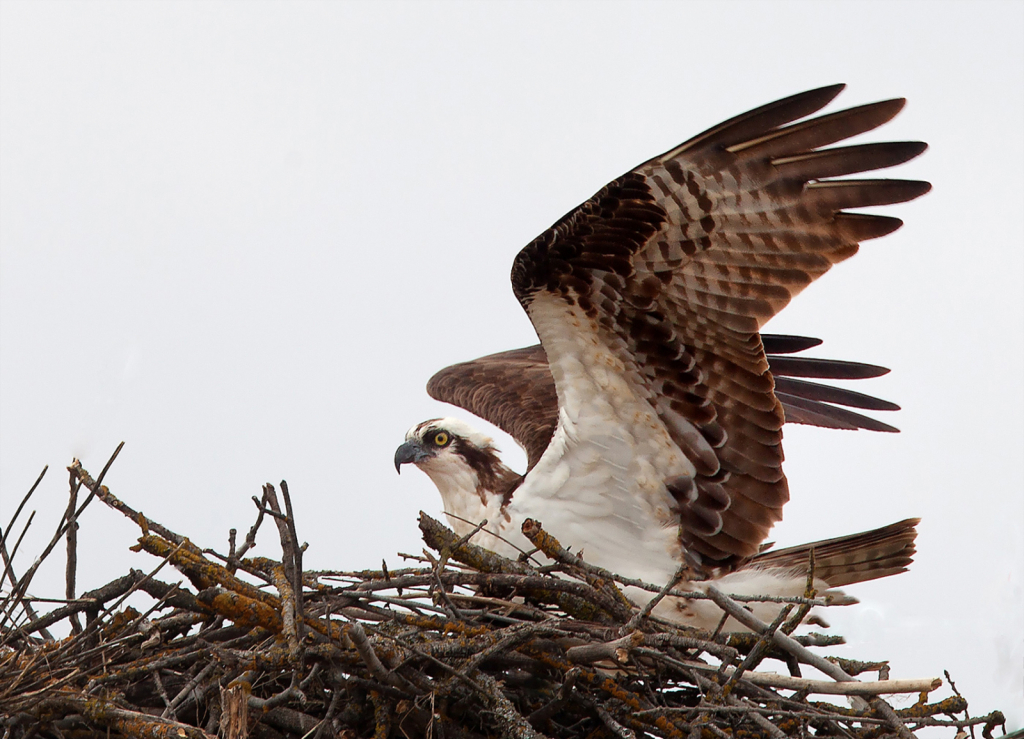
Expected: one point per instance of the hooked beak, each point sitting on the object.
(410, 451)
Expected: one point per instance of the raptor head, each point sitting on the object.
(441, 443)
(457, 457)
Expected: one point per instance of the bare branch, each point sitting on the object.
(468, 646)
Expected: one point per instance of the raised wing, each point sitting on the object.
(514, 390)
(666, 277)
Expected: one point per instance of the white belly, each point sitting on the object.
(599, 487)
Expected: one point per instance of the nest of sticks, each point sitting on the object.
(463, 644)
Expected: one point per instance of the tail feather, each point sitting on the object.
(849, 559)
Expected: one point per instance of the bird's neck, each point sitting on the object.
(473, 490)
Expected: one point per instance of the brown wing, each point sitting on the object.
(678, 264)
(514, 390)
(849, 559)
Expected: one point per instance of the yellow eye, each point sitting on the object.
(440, 438)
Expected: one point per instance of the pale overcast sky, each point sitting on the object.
(241, 237)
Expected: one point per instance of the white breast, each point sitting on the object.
(599, 487)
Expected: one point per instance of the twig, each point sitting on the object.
(18, 592)
(824, 687)
(437, 586)
(135, 586)
(290, 586)
(189, 687)
(614, 726)
(96, 488)
(8, 569)
(546, 711)
(25, 499)
(512, 723)
(512, 665)
(543, 540)
(163, 694)
(295, 556)
(8, 559)
(250, 538)
(784, 641)
(634, 623)
(755, 655)
(72, 549)
(755, 717)
(886, 712)
(956, 692)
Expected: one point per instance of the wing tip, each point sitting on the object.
(788, 343)
(814, 99)
(916, 147)
(884, 428)
(915, 188)
(830, 90)
(893, 104)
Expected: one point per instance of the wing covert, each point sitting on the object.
(515, 391)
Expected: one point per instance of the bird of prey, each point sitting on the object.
(652, 410)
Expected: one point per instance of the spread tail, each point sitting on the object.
(849, 559)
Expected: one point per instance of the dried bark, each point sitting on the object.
(464, 644)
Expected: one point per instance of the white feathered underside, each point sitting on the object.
(599, 487)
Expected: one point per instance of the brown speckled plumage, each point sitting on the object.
(679, 264)
(514, 390)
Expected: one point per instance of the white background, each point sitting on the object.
(241, 237)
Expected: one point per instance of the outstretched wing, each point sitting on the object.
(514, 390)
(649, 299)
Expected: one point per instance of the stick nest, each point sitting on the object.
(464, 644)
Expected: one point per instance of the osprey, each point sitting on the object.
(652, 410)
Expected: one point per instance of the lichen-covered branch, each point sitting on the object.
(468, 645)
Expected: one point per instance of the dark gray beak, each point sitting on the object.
(410, 451)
